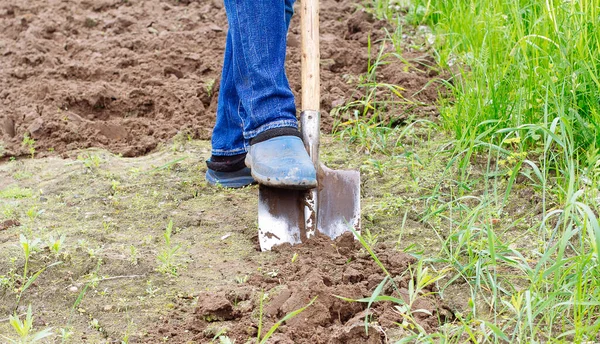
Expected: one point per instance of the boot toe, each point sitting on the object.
(282, 162)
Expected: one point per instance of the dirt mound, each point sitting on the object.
(127, 75)
(321, 269)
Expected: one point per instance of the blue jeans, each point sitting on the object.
(254, 95)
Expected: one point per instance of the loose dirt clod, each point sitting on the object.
(4, 225)
(320, 270)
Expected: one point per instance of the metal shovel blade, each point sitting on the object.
(281, 211)
(339, 201)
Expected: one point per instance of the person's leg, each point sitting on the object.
(226, 165)
(258, 31)
(262, 100)
(227, 139)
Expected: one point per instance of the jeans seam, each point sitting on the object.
(250, 111)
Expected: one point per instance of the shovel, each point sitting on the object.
(293, 216)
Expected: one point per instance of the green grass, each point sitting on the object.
(524, 112)
(15, 192)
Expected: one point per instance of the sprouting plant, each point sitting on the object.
(90, 161)
(273, 273)
(378, 165)
(241, 279)
(106, 225)
(421, 278)
(133, 255)
(56, 244)
(30, 144)
(225, 340)
(125, 339)
(95, 324)
(65, 334)
(24, 330)
(32, 213)
(29, 246)
(370, 238)
(92, 252)
(151, 290)
(210, 85)
(8, 280)
(168, 255)
(115, 186)
(9, 212)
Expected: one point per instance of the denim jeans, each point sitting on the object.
(254, 95)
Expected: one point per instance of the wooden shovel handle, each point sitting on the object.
(311, 56)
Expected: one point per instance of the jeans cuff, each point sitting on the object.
(226, 163)
(228, 152)
(277, 124)
(271, 133)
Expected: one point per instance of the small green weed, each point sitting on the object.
(55, 245)
(15, 192)
(133, 255)
(168, 256)
(29, 143)
(241, 279)
(90, 161)
(9, 212)
(24, 330)
(209, 85)
(151, 290)
(28, 246)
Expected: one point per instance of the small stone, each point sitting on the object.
(108, 308)
(73, 289)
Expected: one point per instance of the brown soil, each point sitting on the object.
(126, 75)
(321, 269)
